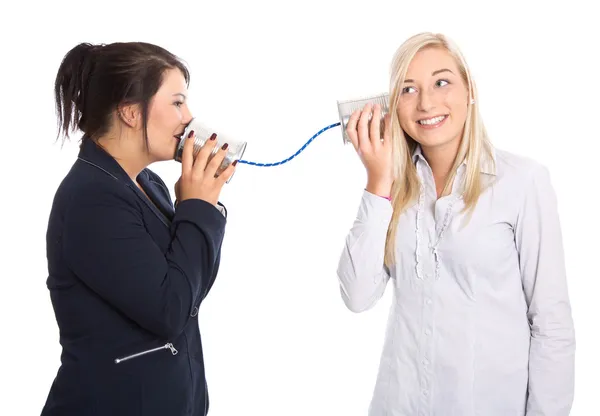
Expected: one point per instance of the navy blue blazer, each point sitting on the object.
(126, 278)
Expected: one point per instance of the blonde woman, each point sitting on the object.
(470, 240)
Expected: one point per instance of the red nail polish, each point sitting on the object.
(191, 134)
(213, 136)
(225, 146)
(234, 163)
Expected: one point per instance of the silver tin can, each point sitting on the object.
(235, 149)
(347, 107)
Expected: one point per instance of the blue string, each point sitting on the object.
(295, 154)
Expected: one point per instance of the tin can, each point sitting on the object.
(235, 149)
(347, 107)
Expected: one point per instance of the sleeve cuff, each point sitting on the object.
(222, 209)
(374, 208)
(200, 213)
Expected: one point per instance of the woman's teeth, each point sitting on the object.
(431, 121)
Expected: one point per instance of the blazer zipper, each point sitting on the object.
(168, 346)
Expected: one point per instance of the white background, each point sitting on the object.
(277, 338)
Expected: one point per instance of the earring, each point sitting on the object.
(472, 100)
(124, 118)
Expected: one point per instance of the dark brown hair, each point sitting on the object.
(94, 80)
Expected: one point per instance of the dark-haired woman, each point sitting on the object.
(127, 270)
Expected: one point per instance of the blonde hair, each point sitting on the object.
(474, 144)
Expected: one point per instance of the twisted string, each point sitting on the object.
(295, 154)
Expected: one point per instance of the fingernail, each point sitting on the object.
(191, 134)
(225, 146)
(234, 162)
(213, 136)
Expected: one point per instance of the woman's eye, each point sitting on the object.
(441, 83)
(408, 90)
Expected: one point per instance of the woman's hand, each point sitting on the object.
(374, 152)
(198, 176)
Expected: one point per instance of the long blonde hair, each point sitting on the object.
(474, 144)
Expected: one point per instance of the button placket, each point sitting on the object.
(427, 345)
(424, 227)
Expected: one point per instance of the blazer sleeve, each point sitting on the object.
(157, 179)
(106, 244)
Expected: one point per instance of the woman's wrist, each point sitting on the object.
(388, 197)
(381, 190)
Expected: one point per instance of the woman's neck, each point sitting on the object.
(441, 160)
(128, 153)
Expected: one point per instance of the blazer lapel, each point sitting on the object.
(94, 155)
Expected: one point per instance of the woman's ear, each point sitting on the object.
(130, 115)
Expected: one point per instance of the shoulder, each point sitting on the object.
(522, 179)
(519, 170)
(87, 187)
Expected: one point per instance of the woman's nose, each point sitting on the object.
(425, 102)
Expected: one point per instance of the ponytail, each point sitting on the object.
(70, 88)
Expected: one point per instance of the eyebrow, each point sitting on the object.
(434, 73)
(180, 94)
